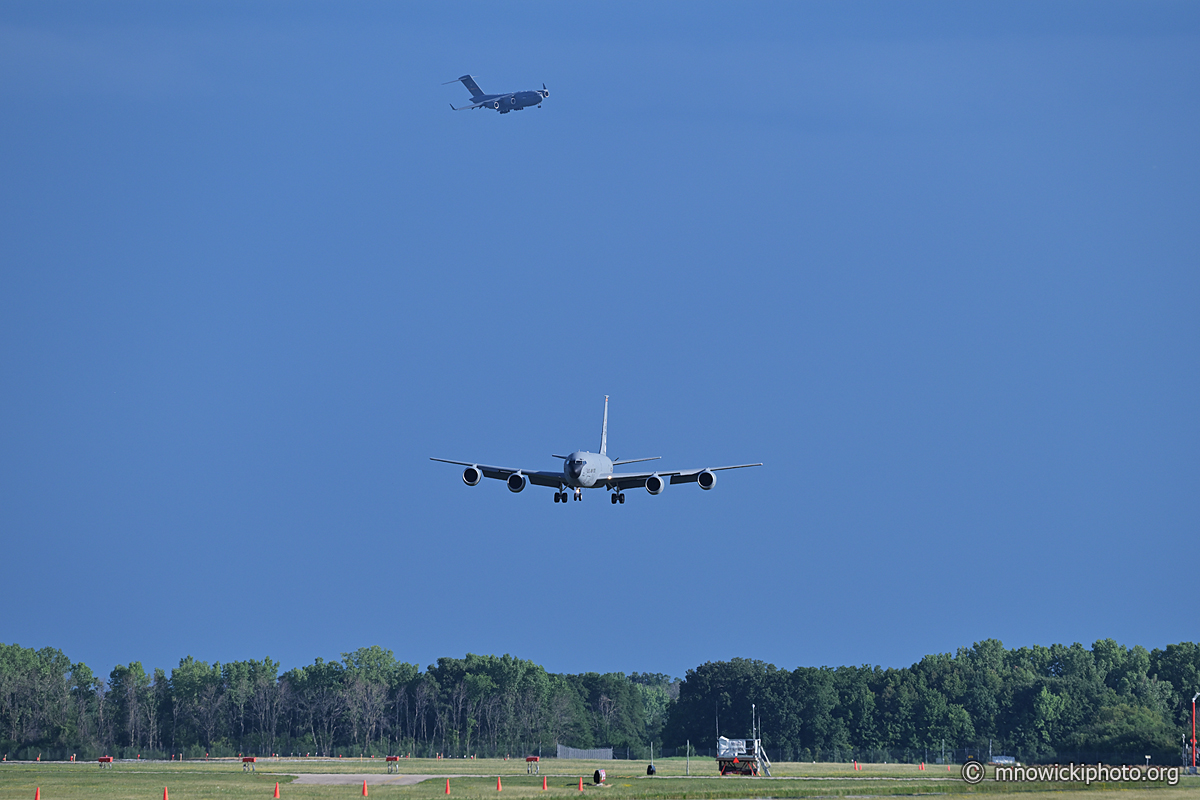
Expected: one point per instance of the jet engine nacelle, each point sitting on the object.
(516, 482)
(655, 484)
(706, 479)
(472, 476)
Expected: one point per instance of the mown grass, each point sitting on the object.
(218, 780)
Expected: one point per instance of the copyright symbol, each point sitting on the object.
(973, 772)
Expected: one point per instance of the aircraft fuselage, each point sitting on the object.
(513, 101)
(583, 470)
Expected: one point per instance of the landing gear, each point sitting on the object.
(621, 498)
(614, 499)
(618, 497)
(557, 497)
(579, 494)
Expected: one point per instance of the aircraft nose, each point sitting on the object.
(574, 469)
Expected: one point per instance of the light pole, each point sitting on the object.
(1197, 694)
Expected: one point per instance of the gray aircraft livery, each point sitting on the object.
(583, 470)
(504, 103)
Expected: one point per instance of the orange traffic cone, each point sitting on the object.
(543, 783)
(364, 787)
(165, 793)
(581, 784)
(37, 794)
(277, 788)
(447, 786)
(499, 788)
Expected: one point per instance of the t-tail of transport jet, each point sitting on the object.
(471, 85)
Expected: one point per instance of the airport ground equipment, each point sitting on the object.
(105, 761)
(393, 764)
(742, 757)
(248, 764)
(533, 765)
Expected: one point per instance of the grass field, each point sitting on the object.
(627, 780)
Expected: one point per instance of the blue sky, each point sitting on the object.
(935, 264)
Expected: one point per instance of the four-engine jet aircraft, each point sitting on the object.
(583, 470)
(504, 103)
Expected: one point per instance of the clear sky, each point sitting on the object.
(935, 264)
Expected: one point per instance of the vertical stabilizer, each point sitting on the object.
(472, 87)
(604, 429)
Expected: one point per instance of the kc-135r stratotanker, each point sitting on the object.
(583, 470)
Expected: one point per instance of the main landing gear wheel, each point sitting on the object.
(556, 499)
(614, 499)
(621, 498)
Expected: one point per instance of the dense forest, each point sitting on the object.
(1037, 703)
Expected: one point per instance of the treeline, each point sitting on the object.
(367, 703)
(1039, 704)
(1036, 703)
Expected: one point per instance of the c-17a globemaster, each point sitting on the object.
(504, 103)
(585, 470)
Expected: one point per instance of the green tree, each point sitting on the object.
(1125, 728)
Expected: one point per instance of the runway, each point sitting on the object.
(372, 779)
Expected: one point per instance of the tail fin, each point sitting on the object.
(471, 85)
(604, 428)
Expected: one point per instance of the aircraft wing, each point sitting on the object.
(634, 480)
(464, 108)
(536, 477)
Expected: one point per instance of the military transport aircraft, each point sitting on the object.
(583, 470)
(504, 103)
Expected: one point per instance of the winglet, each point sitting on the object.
(604, 429)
